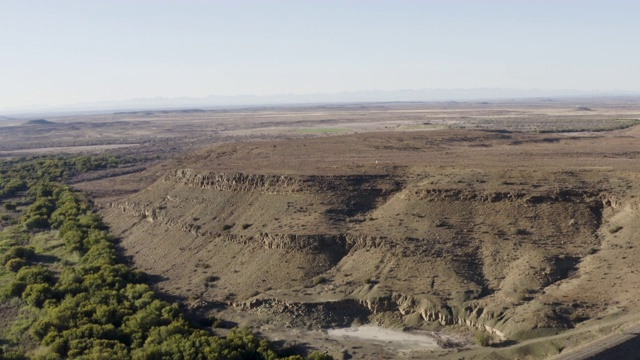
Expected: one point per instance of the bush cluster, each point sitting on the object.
(20, 174)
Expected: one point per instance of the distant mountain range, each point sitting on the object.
(213, 101)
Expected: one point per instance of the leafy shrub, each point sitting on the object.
(37, 294)
(319, 280)
(42, 206)
(481, 338)
(14, 265)
(15, 288)
(26, 253)
(575, 317)
(36, 222)
(10, 206)
(90, 220)
(316, 355)
(35, 275)
(615, 229)
(11, 355)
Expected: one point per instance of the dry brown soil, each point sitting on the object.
(523, 235)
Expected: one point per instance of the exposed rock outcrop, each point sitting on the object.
(270, 184)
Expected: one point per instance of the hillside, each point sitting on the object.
(521, 235)
(39, 122)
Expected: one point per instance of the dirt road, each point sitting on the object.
(622, 345)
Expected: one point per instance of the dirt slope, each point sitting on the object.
(523, 235)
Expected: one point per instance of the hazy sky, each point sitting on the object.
(58, 52)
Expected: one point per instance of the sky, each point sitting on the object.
(67, 52)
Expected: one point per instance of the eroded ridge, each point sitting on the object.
(378, 245)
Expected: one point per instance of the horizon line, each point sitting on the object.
(241, 100)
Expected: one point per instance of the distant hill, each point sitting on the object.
(195, 104)
(185, 111)
(39, 122)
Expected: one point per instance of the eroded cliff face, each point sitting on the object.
(335, 249)
(269, 184)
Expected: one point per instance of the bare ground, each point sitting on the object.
(528, 236)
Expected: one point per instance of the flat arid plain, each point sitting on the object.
(475, 230)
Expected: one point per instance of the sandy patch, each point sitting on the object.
(393, 339)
